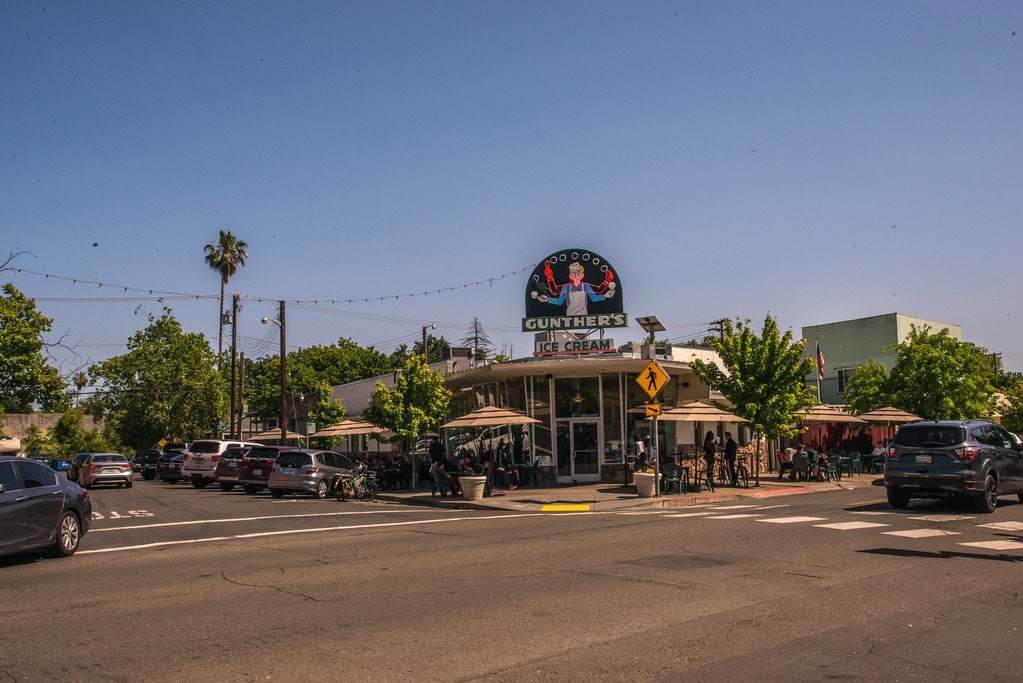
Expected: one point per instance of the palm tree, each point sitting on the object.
(225, 255)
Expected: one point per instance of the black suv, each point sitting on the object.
(973, 458)
(145, 462)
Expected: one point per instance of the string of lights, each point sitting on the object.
(160, 295)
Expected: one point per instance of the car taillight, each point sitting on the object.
(184, 458)
(312, 470)
(92, 467)
(967, 452)
(214, 458)
(891, 452)
(276, 468)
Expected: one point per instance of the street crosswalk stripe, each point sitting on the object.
(792, 520)
(738, 516)
(772, 507)
(921, 533)
(871, 512)
(848, 526)
(1004, 526)
(995, 545)
(732, 507)
(689, 514)
(943, 518)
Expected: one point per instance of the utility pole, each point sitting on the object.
(241, 395)
(234, 354)
(284, 375)
(719, 327)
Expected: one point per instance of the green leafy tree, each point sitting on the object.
(323, 411)
(225, 255)
(26, 378)
(1011, 406)
(763, 375)
(417, 403)
(866, 389)
(37, 441)
(166, 385)
(71, 436)
(941, 378)
(336, 364)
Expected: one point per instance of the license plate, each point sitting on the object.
(232, 465)
(289, 470)
(923, 460)
(257, 472)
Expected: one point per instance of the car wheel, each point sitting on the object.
(226, 487)
(69, 535)
(322, 487)
(251, 490)
(987, 501)
(898, 498)
(277, 493)
(1020, 496)
(199, 483)
(148, 477)
(128, 484)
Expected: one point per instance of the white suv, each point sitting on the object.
(200, 460)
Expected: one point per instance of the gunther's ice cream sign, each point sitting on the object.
(570, 295)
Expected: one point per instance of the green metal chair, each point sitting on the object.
(801, 466)
(675, 475)
(834, 469)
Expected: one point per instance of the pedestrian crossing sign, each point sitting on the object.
(652, 379)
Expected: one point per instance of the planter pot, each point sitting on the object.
(472, 487)
(645, 484)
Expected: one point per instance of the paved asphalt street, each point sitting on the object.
(174, 583)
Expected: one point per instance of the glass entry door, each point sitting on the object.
(578, 443)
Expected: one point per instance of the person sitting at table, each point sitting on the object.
(442, 478)
(785, 463)
(821, 465)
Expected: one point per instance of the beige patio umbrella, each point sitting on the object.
(821, 413)
(275, 435)
(348, 428)
(697, 411)
(889, 415)
(490, 416)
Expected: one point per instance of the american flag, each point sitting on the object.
(820, 362)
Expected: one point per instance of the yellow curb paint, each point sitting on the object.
(565, 508)
(869, 502)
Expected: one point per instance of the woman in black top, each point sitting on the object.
(708, 457)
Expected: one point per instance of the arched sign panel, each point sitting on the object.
(574, 289)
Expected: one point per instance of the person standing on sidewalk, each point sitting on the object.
(731, 451)
(708, 457)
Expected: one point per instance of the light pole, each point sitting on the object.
(284, 403)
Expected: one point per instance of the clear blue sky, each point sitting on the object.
(820, 161)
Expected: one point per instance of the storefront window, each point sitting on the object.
(614, 435)
(577, 397)
(540, 408)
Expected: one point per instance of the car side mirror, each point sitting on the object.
(3, 489)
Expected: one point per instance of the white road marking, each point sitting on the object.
(871, 512)
(739, 516)
(252, 519)
(306, 531)
(1004, 526)
(848, 526)
(731, 507)
(996, 545)
(943, 518)
(921, 533)
(688, 514)
(792, 520)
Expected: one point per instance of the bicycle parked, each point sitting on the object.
(741, 473)
(359, 484)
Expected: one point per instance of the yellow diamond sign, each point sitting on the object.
(652, 379)
(653, 409)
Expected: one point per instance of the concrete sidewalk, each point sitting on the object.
(607, 497)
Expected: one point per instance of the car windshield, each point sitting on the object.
(233, 454)
(929, 436)
(205, 447)
(293, 459)
(108, 458)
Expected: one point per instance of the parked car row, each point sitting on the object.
(89, 469)
(254, 467)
